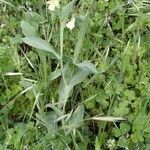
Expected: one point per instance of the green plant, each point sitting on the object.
(84, 88)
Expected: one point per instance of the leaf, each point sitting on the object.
(80, 19)
(80, 37)
(61, 118)
(75, 120)
(123, 142)
(116, 132)
(87, 66)
(77, 78)
(34, 18)
(28, 29)
(129, 94)
(40, 44)
(121, 111)
(66, 11)
(50, 121)
(108, 118)
(55, 74)
(124, 128)
(85, 69)
(140, 121)
(57, 110)
(64, 91)
(76, 117)
(26, 84)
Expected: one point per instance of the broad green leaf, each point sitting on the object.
(80, 19)
(77, 78)
(80, 37)
(40, 44)
(50, 121)
(87, 66)
(76, 117)
(124, 128)
(116, 132)
(140, 121)
(123, 142)
(66, 12)
(129, 94)
(28, 29)
(121, 111)
(64, 91)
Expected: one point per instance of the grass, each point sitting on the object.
(85, 88)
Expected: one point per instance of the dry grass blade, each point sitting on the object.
(13, 74)
(109, 118)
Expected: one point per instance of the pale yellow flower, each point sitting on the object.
(71, 24)
(52, 4)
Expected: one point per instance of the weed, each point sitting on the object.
(74, 75)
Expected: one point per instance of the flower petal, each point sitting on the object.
(71, 24)
(52, 4)
(51, 7)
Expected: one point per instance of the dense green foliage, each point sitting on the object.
(82, 89)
